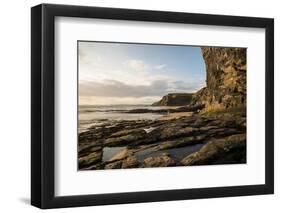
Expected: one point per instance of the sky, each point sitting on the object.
(131, 73)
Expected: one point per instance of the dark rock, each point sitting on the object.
(85, 150)
(177, 131)
(147, 111)
(114, 165)
(125, 139)
(126, 132)
(174, 99)
(181, 142)
(93, 167)
(159, 161)
(163, 133)
(188, 108)
(231, 149)
(130, 162)
(90, 159)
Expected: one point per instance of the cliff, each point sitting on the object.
(226, 78)
(174, 99)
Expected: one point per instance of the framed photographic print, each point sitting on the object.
(139, 106)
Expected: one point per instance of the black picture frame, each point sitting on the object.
(43, 110)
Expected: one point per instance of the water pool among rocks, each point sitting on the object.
(109, 152)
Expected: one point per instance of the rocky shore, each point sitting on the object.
(213, 138)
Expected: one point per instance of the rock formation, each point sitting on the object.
(226, 78)
(174, 99)
(220, 138)
(230, 149)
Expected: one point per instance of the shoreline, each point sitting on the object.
(151, 143)
(176, 115)
(110, 115)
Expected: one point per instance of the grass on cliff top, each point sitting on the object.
(218, 112)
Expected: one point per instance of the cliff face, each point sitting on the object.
(226, 78)
(174, 99)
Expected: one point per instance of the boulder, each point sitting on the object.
(163, 160)
(130, 162)
(90, 159)
(231, 149)
(114, 165)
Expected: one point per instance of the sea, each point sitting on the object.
(90, 115)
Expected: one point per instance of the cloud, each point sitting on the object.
(160, 66)
(87, 59)
(113, 88)
(140, 65)
(96, 100)
(185, 86)
(137, 65)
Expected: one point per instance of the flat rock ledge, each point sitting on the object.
(228, 150)
(214, 138)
